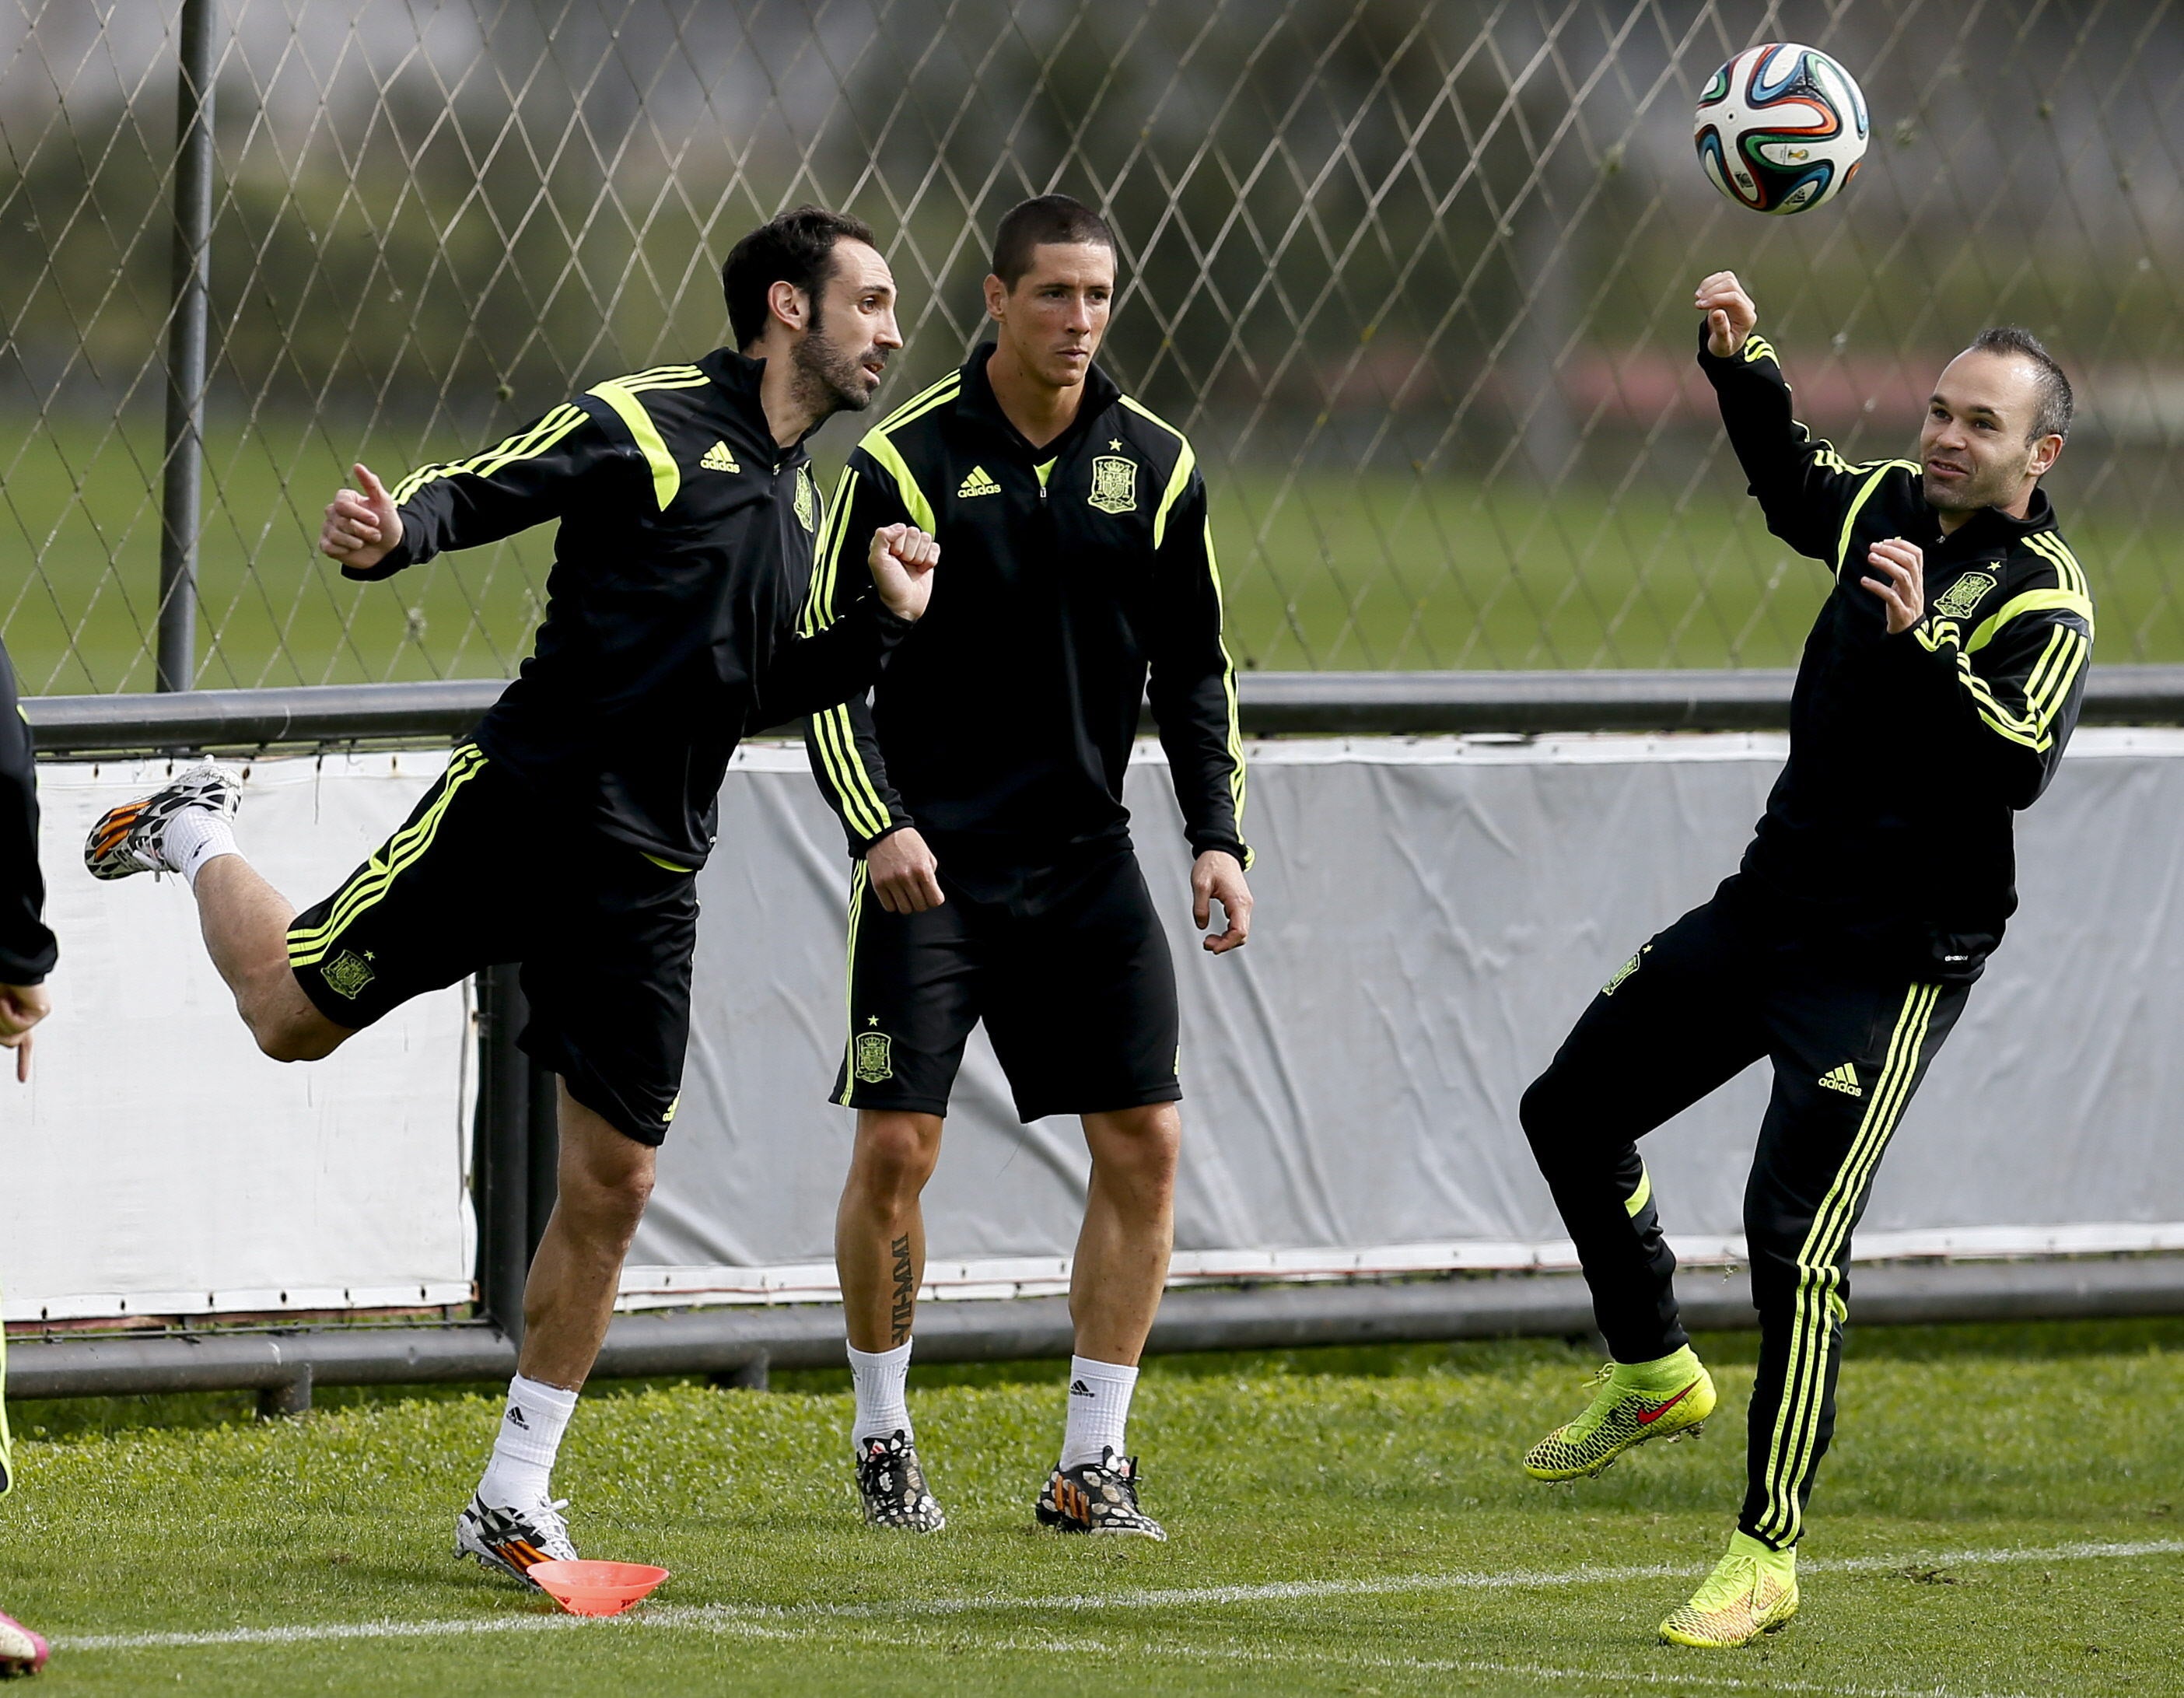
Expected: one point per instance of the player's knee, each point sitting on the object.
(896, 1153)
(1145, 1143)
(608, 1199)
(1541, 1111)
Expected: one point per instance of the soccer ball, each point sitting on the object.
(1781, 128)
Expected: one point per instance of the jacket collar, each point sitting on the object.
(738, 377)
(977, 401)
(1991, 530)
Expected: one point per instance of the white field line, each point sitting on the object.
(1564, 1680)
(753, 1617)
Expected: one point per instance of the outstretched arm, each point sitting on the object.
(526, 480)
(1802, 484)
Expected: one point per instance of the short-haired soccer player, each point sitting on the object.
(1938, 689)
(27, 955)
(982, 792)
(568, 834)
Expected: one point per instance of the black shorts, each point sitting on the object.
(1069, 969)
(480, 874)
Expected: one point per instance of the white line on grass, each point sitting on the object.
(1620, 1680)
(720, 1616)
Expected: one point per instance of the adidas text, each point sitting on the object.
(979, 482)
(1843, 1079)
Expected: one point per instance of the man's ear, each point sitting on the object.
(997, 294)
(2045, 452)
(788, 304)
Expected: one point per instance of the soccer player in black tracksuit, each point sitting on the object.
(981, 790)
(27, 954)
(1937, 690)
(568, 834)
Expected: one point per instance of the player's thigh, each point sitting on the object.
(432, 904)
(606, 973)
(1082, 1012)
(1673, 1024)
(1849, 1048)
(914, 992)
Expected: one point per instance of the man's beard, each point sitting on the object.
(1971, 494)
(831, 376)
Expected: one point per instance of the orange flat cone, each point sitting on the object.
(595, 1589)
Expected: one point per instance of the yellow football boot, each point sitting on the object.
(1635, 1402)
(1753, 1590)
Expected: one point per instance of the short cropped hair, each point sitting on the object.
(797, 249)
(2054, 403)
(1048, 220)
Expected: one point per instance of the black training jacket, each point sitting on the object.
(27, 950)
(682, 561)
(1892, 822)
(1069, 575)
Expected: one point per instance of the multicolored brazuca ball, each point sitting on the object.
(1781, 128)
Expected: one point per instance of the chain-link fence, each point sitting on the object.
(1415, 276)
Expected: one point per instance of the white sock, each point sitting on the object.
(1099, 1409)
(193, 837)
(881, 1377)
(531, 1429)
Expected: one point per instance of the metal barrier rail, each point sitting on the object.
(1270, 703)
(737, 1346)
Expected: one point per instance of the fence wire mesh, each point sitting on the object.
(1416, 278)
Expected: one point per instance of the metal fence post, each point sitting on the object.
(184, 476)
(500, 1188)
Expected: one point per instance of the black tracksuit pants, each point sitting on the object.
(1849, 1041)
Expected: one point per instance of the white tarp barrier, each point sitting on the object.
(156, 1164)
(1434, 913)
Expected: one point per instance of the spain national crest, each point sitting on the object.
(347, 975)
(1961, 597)
(874, 1057)
(1115, 484)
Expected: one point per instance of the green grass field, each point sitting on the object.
(2001, 1515)
(1322, 570)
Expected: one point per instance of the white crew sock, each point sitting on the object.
(531, 1429)
(1099, 1409)
(193, 837)
(881, 1377)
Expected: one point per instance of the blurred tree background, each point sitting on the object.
(1414, 276)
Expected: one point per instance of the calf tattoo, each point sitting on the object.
(905, 1288)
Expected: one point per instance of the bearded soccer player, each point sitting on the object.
(27, 954)
(1935, 695)
(982, 792)
(568, 834)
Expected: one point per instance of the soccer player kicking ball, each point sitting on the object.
(1937, 691)
(27, 954)
(568, 835)
(981, 789)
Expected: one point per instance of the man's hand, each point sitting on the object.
(361, 530)
(1730, 314)
(902, 873)
(902, 559)
(1217, 876)
(1903, 586)
(21, 1007)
